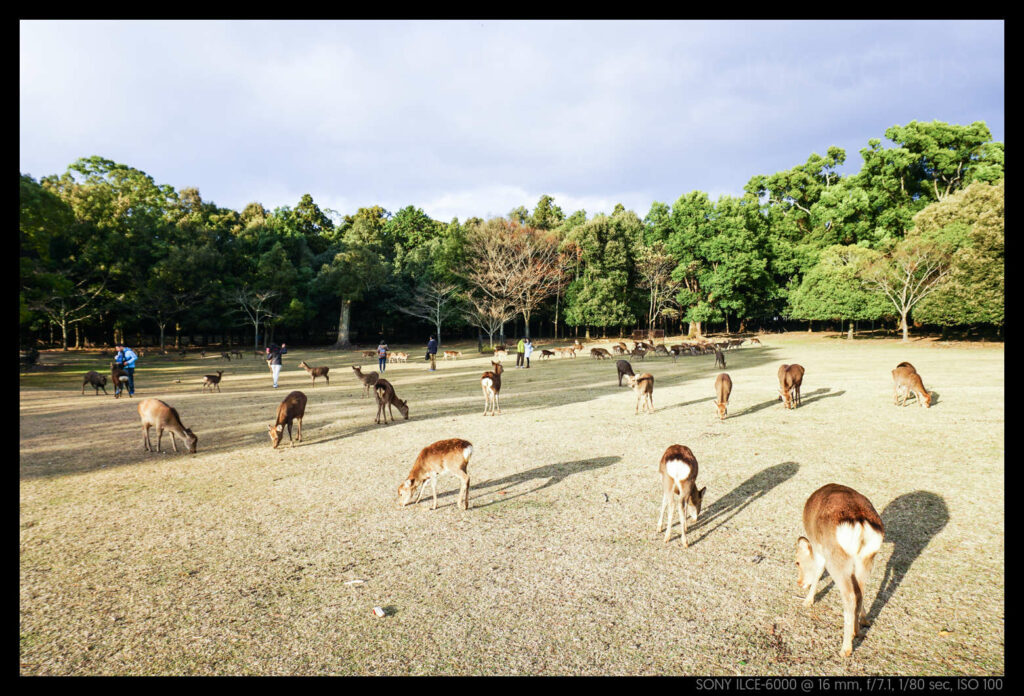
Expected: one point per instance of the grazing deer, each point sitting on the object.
(844, 532)
(617, 349)
(315, 372)
(639, 352)
(644, 388)
(905, 379)
(577, 346)
(237, 353)
(906, 364)
(660, 349)
(293, 408)
(226, 356)
(624, 368)
(723, 388)
(386, 396)
(790, 378)
(369, 354)
(433, 460)
(490, 382)
(212, 381)
(96, 381)
(120, 379)
(545, 354)
(599, 353)
(368, 379)
(154, 412)
(452, 354)
(678, 469)
(719, 357)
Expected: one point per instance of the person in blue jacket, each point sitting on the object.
(126, 358)
(432, 352)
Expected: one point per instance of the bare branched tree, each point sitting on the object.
(66, 304)
(487, 313)
(256, 305)
(914, 270)
(435, 302)
(655, 267)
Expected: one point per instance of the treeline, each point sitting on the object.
(916, 235)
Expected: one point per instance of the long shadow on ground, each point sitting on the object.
(737, 500)
(554, 473)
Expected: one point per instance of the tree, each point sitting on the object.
(654, 266)
(487, 313)
(434, 302)
(604, 293)
(547, 215)
(974, 291)
(256, 305)
(833, 289)
(66, 302)
(911, 272)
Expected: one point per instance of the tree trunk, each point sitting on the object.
(343, 325)
(479, 341)
(162, 327)
(743, 325)
(694, 330)
(177, 335)
(526, 325)
(65, 339)
(849, 335)
(903, 325)
(78, 337)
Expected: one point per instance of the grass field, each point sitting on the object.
(236, 560)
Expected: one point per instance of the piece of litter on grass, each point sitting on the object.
(379, 611)
(944, 633)
(354, 582)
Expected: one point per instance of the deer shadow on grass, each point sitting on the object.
(817, 394)
(554, 473)
(911, 522)
(740, 497)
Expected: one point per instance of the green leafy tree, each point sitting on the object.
(833, 290)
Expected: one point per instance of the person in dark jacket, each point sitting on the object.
(432, 353)
(274, 353)
(126, 358)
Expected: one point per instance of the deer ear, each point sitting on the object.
(802, 544)
(270, 428)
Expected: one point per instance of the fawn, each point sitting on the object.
(490, 382)
(644, 388)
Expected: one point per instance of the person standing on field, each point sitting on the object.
(274, 353)
(382, 355)
(529, 351)
(432, 353)
(520, 350)
(126, 358)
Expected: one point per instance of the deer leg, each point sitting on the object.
(861, 572)
(464, 493)
(159, 437)
(668, 528)
(664, 504)
(849, 595)
(497, 403)
(174, 442)
(809, 599)
(682, 521)
(291, 442)
(300, 429)
(146, 447)
(433, 479)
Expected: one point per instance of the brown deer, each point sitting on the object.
(844, 532)
(293, 408)
(212, 381)
(237, 353)
(315, 372)
(599, 353)
(386, 396)
(644, 388)
(545, 354)
(369, 354)
(790, 379)
(905, 380)
(155, 413)
(660, 349)
(624, 368)
(226, 356)
(723, 388)
(368, 379)
(490, 382)
(639, 352)
(96, 381)
(119, 378)
(617, 349)
(452, 354)
(678, 469)
(444, 455)
(400, 357)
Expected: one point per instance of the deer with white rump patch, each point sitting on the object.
(386, 397)
(678, 469)
(293, 408)
(433, 460)
(155, 413)
(212, 381)
(490, 382)
(844, 532)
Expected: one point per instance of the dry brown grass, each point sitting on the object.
(235, 560)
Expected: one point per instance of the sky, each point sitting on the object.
(476, 118)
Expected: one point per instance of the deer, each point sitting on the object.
(399, 357)
(315, 372)
(577, 346)
(369, 354)
(226, 356)
(212, 381)
(790, 378)
(452, 354)
(444, 455)
(624, 368)
(660, 349)
(905, 379)
(678, 469)
(639, 352)
(96, 381)
(545, 354)
(617, 349)
(844, 532)
(719, 357)
(386, 396)
(599, 353)
(237, 353)
(490, 382)
(723, 388)
(500, 353)
(291, 409)
(644, 388)
(119, 378)
(155, 413)
(368, 379)
(753, 340)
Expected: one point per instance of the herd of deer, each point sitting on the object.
(843, 530)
